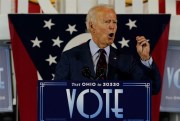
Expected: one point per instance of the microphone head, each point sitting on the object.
(101, 72)
(86, 72)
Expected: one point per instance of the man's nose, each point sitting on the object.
(112, 26)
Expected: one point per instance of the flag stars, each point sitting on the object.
(124, 42)
(57, 42)
(51, 59)
(71, 29)
(131, 24)
(48, 24)
(36, 42)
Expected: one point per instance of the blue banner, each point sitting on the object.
(95, 101)
(170, 99)
(5, 80)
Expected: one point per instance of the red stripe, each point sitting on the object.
(177, 7)
(34, 7)
(159, 57)
(26, 79)
(161, 6)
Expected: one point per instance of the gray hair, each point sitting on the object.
(92, 14)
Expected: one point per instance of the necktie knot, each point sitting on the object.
(102, 51)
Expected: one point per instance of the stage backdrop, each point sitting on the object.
(38, 41)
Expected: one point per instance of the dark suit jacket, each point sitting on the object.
(120, 67)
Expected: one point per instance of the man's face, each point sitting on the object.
(105, 28)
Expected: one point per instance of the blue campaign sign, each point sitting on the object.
(95, 101)
(170, 99)
(5, 80)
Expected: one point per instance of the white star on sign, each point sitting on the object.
(48, 24)
(131, 24)
(51, 59)
(124, 42)
(36, 42)
(71, 29)
(57, 42)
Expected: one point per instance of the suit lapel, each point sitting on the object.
(112, 64)
(86, 58)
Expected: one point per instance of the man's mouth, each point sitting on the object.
(111, 34)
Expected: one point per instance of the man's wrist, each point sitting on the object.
(148, 62)
(146, 58)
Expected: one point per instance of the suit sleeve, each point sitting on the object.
(62, 68)
(139, 71)
(153, 75)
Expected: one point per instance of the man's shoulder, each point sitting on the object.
(119, 53)
(80, 47)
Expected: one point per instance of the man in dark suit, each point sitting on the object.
(82, 62)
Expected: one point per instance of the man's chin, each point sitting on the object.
(109, 43)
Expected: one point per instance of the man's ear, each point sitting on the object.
(91, 25)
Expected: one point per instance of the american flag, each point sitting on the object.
(39, 39)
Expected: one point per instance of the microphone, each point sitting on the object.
(100, 73)
(87, 73)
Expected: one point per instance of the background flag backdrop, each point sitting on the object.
(38, 41)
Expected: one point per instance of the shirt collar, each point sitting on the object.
(94, 48)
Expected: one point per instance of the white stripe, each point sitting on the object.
(103, 1)
(70, 6)
(153, 6)
(137, 6)
(47, 6)
(170, 6)
(174, 30)
(23, 6)
(85, 5)
(5, 7)
(4, 27)
(120, 6)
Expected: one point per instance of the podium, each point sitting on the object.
(94, 100)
